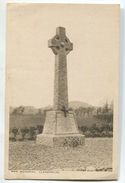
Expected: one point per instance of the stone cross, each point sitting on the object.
(60, 46)
(60, 128)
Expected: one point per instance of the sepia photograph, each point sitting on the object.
(62, 91)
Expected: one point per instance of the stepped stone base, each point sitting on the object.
(72, 140)
(60, 130)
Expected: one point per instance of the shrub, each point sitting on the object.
(32, 133)
(24, 131)
(39, 128)
(106, 130)
(12, 139)
(15, 132)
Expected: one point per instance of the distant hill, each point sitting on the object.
(72, 104)
(34, 110)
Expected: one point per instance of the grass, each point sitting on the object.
(95, 155)
(19, 120)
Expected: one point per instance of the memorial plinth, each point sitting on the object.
(60, 128)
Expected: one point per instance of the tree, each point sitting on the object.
(18, 110)
(106, 108)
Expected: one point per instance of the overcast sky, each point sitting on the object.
(92, 65)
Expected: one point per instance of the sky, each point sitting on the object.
(93, 64)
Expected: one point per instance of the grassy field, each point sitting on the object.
(96, 155)
(20, 120)
(28, 120)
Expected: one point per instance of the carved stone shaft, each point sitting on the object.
(60, 84)
(60, 46)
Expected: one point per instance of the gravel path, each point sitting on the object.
(95, 155)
